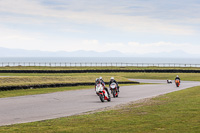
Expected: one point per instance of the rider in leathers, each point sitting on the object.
(113, 80)
(177, 77)
(103, 83)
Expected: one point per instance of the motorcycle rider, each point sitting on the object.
(112, 80)
(96, 82)
(101, 79)
(103, 83)
(177, 77)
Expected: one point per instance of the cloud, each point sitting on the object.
(104, 14)
(100, 25)
(159, 47)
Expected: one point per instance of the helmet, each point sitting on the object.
(96, 79)
(111, 78)
(100, 78)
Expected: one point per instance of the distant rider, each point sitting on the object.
(112, 80)
(103, 83)
(177, 77)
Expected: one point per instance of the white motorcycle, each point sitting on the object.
(114, 90)
(102, 93)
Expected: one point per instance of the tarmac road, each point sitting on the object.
(31, 108)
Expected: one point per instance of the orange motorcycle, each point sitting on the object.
(177, 82)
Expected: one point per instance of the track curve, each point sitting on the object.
(32, 108)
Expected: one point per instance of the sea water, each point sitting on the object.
(12, 61)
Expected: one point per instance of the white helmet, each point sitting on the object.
(100, 78)
(112, 78)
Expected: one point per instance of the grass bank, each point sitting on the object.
(174, 112)
(29, 79)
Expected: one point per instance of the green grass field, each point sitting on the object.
(35, 78)
(174, 112)
(41, 78)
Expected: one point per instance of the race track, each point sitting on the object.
(31, 108)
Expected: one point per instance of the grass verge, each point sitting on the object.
(27, 79)
(174, 112)
(31, 80)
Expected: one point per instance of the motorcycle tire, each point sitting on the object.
(109, 98)
(101, 97)
(117, 94)
(114, 93)
(177, 85)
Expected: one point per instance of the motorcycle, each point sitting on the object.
(114, 90)
(103, 95)
(177, 82)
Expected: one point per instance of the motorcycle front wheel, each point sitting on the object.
(114, 93)
(101, 97)
(109, 98)
(177, 85)
(117, 94)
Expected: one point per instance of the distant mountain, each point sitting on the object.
(6, 52)
(173, 54)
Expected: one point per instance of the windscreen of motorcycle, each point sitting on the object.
(113, 85)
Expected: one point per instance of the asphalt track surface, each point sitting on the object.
(32, 108)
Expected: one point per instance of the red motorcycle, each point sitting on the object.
(102, 93)
(114, 90)
(177, 82)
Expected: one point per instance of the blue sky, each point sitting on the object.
(128, 26)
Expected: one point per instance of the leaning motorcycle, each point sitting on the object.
(114, 90)
(177, 82)
(103, 95)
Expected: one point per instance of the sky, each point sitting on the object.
(128, 26)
